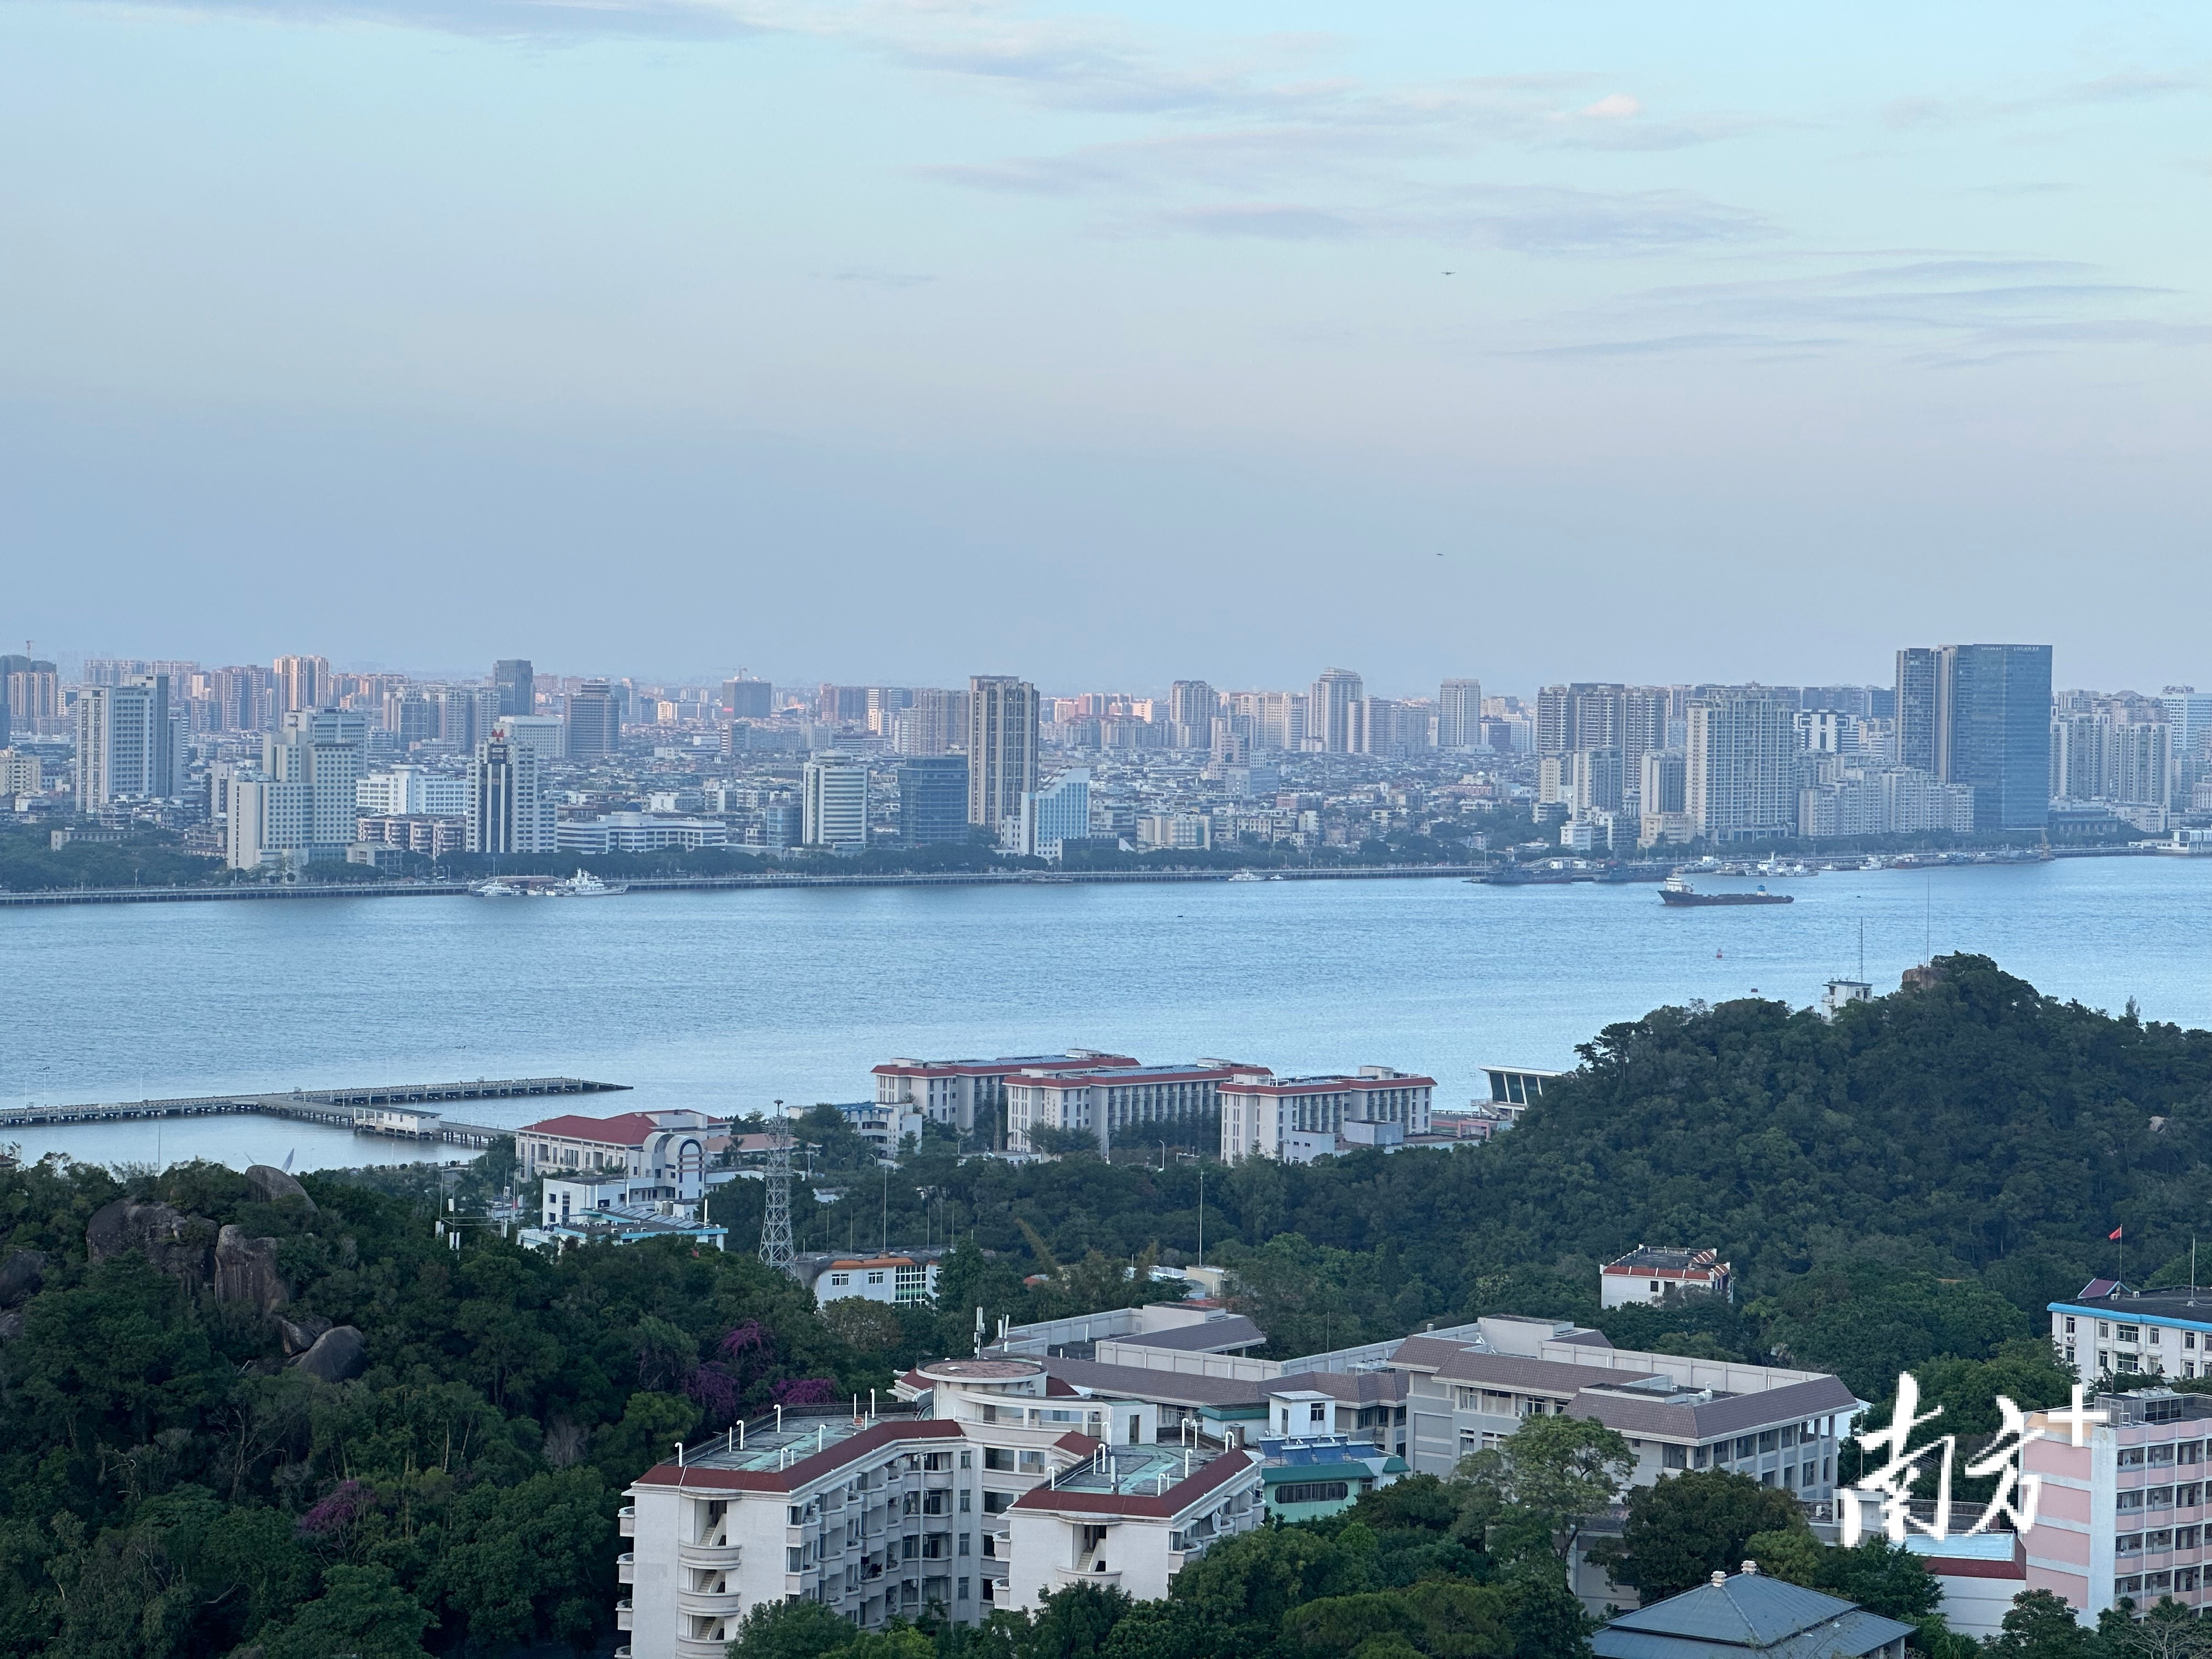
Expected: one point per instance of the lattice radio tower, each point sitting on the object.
(775, 1223)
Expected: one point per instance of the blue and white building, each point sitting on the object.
(1058, 812)
(2110, 1330)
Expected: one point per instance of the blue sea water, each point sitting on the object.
(726, 1000)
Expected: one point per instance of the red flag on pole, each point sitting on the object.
(2116, 1233)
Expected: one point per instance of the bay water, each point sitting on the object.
(725, 1002)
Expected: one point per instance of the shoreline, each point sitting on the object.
(1486, 873)
(708, 884)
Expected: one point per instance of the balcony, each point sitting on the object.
(688, 1648)
(625, 1569)
(709, 1604)
(628, 1521)
(709, 1558)
(623, 1614)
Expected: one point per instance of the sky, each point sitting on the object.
(895, 342)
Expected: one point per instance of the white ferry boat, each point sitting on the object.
(585, 884)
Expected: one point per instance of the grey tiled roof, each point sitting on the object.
(1135, 1383)
(1213, 1336)
(1511, 1372)
(1746, 1615)
(1737, 1413)
(1358, 1388)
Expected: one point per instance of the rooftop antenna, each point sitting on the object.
(776, 1221)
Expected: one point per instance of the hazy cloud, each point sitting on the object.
(1281, 221)
(1925, 111)
(1613, 107)
(1944, 313)
(1520, 219)
(873, 278)
(518, 20)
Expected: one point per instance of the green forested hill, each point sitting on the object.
(1971, 1127)
(1927, 1162)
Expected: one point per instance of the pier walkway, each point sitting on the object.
(413, 1111)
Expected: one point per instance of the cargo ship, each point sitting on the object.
(1675, 890)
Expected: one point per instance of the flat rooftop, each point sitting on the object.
(768, 1448)
(1133, 1471)
(2185, 1307)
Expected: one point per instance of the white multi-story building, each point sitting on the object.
(546, 733)
(1297, 1119)
(301, 805)
(1650, 1273)
(1459, 715)
(666, 1152)
(1741, 773)
(411, 791)
(1128, 1517)
(20, 774)
(1108, 1103)
(999, 1491)
(950, 1091)
(1778, 1427)
(2109, 1331)
(1333, 712)
(895, 1279)
(833, 802)
(1058, 812)
(1895, 800)
(1182, 832)
(637, 832)
(126, 746)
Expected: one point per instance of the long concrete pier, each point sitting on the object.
(372, 1109)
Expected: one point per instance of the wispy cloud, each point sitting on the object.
(507, 20)
(1276, 221)
(1520, 219)
(1930, 111)
(870, 277)
(1935, 313)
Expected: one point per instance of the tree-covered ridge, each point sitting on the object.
(1927, 1171)
(1966, 1124)
(174, 1483)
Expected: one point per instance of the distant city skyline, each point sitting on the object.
(1381, 679)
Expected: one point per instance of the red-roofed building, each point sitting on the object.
(1297, 1119)
(654, 1150)
(1003, 1490)
(950, 1091)
(1117, 1103)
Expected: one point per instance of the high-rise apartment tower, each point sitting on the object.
(1002, 748)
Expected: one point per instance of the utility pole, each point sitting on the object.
(776, 1221)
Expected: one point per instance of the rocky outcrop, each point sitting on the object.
(21, 1275)
(171, 1241)
(337, 1355)
(245, 1270)
(273, 1186)
(298, 1335)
